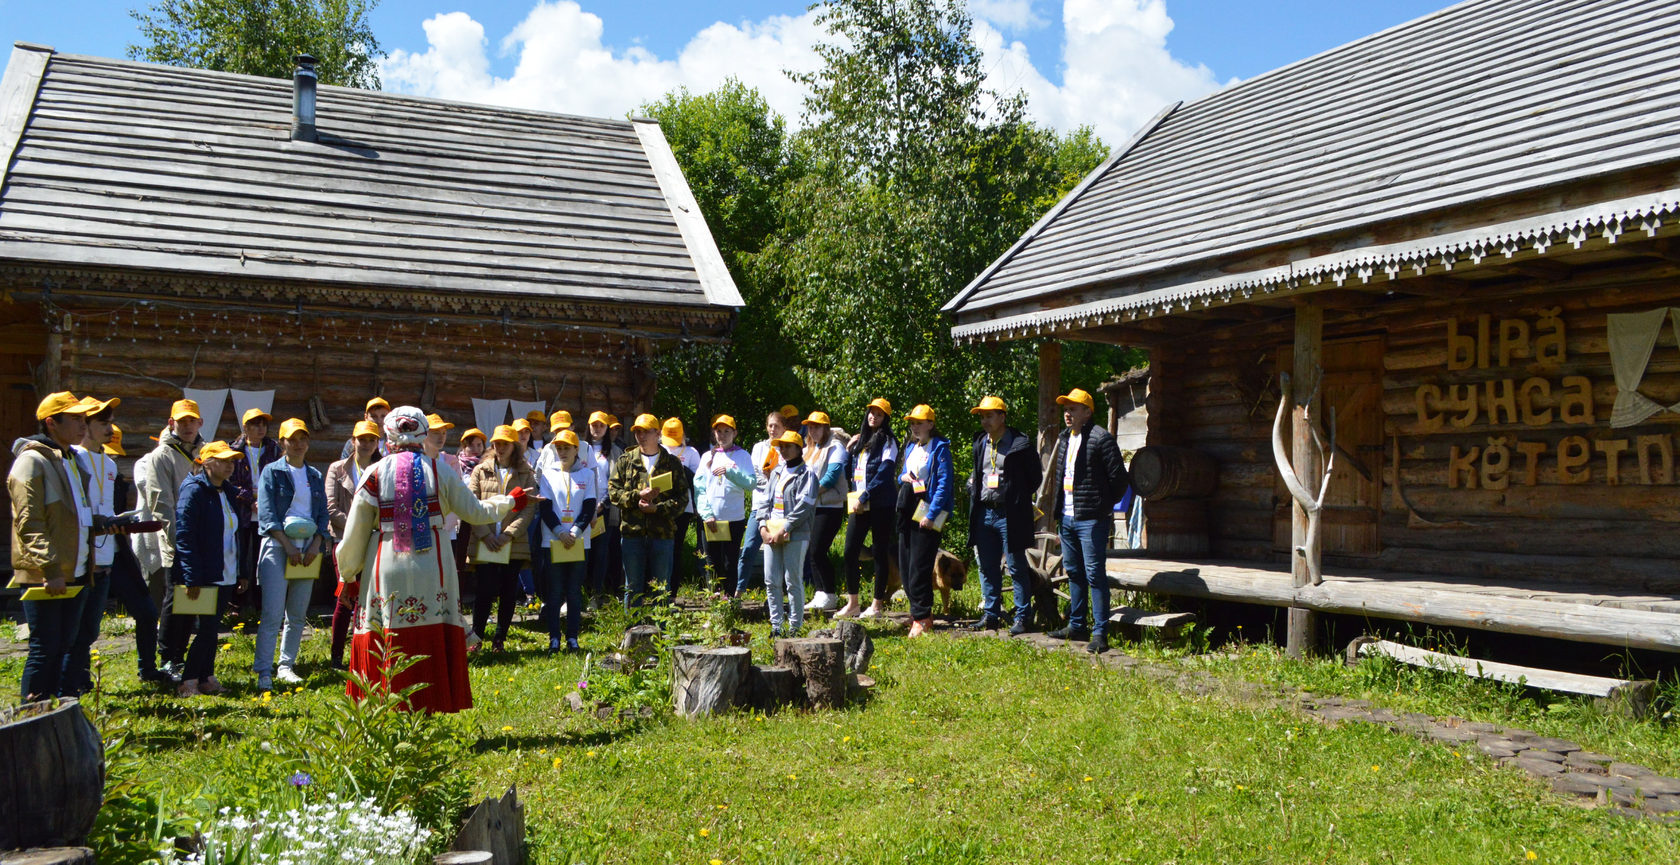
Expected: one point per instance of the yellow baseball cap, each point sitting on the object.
(789, 437)
(560, 420)
(881, 403)
(612, 420)
(376, 402)
(436, 421)
(292, 426)
(817, 418)
(600, 417)
(672, 428)
(184, 408)
(789, 412)
(63, 402)
(566, 437)
(217, 450)
(645, 421)
(114, 446)
(521, 425)
(535, 415)
(471, 432)
(95, 406)
(365, 428)
(256, 414)
(920, 413)
(723, 420)
(505, 433)
(989, 403)
(1077, 396)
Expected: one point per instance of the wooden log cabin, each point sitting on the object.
(1462, 236)
(165, 228)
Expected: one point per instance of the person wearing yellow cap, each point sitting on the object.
(344, 477)
(51, 525)
(497, 569)
(406, 587)
(128, 585)
(259, 451)
(784, 524)
(1006, 475)
(1091, 479)
(206, 560)
(649, 514)
(158, 477)
(537, 422)
(606, 571)
(374, 413)
(437, 435)
(561, 566)
(825, 458)
(765, 458)
(721, 485)
(790, 414)
(871, 456)
(675, 440)
(926, 492)
(292, 519)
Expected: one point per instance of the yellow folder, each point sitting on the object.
(661, 482)
(558, 553)
(854, 504)
(598, 528)
(39, 593)
(487, 556)
(304, 572)
(205, 605)
(921, 514)
(721, 533)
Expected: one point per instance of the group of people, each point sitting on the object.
(575, 513)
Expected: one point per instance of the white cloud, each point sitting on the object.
(1117, 69)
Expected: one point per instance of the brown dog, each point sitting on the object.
(949, 573)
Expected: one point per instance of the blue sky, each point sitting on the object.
(593, 57)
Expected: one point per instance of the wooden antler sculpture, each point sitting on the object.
(1313, 505)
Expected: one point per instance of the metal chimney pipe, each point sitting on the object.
(303, 99)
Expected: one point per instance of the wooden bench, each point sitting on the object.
(1625, 696)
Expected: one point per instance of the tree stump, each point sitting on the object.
(638, 642)
(820, 664)
(52, 775)
(48, 856)
(771, 688)
(496, 826)
(858, 687)
(706, 681)
(856, 645)
(465, 857)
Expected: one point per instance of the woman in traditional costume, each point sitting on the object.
(393, 556)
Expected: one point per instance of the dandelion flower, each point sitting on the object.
(1530, 855)
(1087, 779)
(589, 754)
(1376, 768)
(507, 728)
(556, 762)
(792, 777)
(912, 781)
(716, 862)
(1241, 787)
(705, 833)
(846, 739)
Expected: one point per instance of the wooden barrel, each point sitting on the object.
(52, 775)
(1166, 472)
(1176, 527)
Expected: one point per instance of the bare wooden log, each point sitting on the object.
(1631, 697)
(771, 688)
(496, 826)
(52, 775)
(464, 857)
(858, 647)
(820, 664)
(706, 681)
(48, 856)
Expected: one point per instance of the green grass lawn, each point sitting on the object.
(972, 750)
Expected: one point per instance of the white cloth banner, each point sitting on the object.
(520, 409)
(1633, 336)
(488, 414)
(245, 400)
(210, 405)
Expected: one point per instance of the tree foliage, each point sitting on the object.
(261, 37)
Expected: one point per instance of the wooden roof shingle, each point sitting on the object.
(120, 164)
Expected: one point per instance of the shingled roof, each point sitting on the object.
(132, 165)
(1481, 101)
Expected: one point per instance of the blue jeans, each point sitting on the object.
(560, 583)
(645, 559)
(993, 549)
(78, 664)
(53, 625)
(784, 568)
(751, 570)
(284, 603)
(1084, 555)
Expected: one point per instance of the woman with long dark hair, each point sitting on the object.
(825, 458)
(925, 494)
(871, 456)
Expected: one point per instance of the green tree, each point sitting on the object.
(260, 37)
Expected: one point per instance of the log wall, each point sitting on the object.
(1498, 460)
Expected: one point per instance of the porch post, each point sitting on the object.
(1049, 417)
(1309, 341)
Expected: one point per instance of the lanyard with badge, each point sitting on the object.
(567, 488)
(914, 465)
(994, 470)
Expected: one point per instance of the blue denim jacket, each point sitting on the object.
(274, 497)
(198, 531)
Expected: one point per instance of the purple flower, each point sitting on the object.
(583, 684)
(300, 779)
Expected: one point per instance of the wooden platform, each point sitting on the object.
(1639, 621)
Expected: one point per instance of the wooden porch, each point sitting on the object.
(1630, 620)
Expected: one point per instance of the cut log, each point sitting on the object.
(638, 642)
(1631, 697)
(820, 664)
(496, 826)
(771, 688)
(856, 644)
(706, 681)
(464, 857)
(48, 856)
(1167, 625)
(52, 775)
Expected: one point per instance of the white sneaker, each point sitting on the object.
(815, 599)
(826, 601)
(285, 676)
